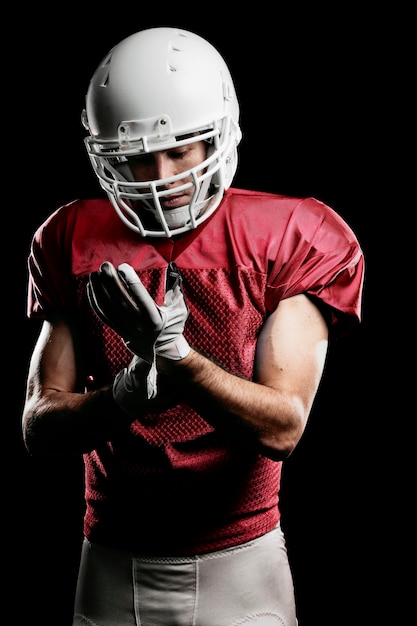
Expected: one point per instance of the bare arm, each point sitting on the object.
(270, 413)
(59, 417)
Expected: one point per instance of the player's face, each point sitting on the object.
(167, 163)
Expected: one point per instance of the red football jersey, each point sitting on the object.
(173, 484)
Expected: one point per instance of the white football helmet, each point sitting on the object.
(156, 90)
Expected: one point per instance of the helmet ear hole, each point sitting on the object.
(163, 87)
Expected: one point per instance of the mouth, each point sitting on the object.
(174, 201)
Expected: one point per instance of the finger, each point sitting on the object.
(111, 300)
(114, 285)
(104, 307)
(92, 288)
(139, 293)
(119, 295)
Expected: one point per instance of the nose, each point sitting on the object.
(163, 166)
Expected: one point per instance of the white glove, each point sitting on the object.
(122, 302)
(165, 323)
(132, 393)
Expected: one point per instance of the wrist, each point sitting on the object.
(175, 350)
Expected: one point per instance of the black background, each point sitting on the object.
(310, 86)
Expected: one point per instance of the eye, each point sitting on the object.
(179, 153)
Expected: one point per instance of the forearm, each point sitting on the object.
(255, 414)
(66, 423)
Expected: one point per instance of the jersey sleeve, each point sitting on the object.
(320, 256)
(50, 282)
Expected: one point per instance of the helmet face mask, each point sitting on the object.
(151, 93)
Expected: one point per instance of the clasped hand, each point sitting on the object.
(122, 302)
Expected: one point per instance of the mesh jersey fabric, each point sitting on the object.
(172, 484)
